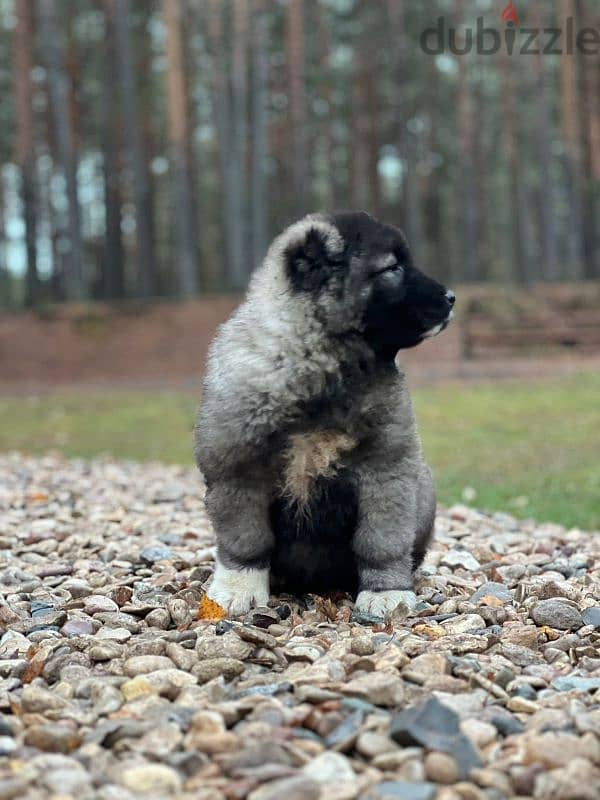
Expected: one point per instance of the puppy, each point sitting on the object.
(306, 435)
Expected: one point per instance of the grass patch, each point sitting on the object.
(527, 448)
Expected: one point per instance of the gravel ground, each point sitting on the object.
(111, 687)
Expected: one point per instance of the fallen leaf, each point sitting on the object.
(37, 497)
(326, 606)
(430, 631)
(209, 610)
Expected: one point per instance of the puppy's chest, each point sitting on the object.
(310, 456)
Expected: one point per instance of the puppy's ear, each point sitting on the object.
(311, 258)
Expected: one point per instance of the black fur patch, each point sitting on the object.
(308, 264)
(363, 234)
(313, 546)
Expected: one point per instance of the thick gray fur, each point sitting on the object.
(280, 351)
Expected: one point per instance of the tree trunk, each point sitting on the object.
(222, 114)
(404, 138)
(369, 78)
(572, 153)
(260, 131)
(138, 168)
(466, 180)
(58, 91)
(433, 212)
(5, 282)
(297, 101)
(522, 259)
(177, 108)
(23, 49)
(240, 266)
(325, 139)
(543, 134)
(113, 265)
(359, 145)
(589, 132)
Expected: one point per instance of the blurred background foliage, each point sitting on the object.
(154, 147)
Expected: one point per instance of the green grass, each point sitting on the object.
(528, 448)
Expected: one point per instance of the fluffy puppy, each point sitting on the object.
(306, 436)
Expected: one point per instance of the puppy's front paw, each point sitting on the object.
(237, 590)
(380, 604)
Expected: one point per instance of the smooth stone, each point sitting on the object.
(429, 665)
(556, 614)
(13, 644)
(463, 624)
(158, 618)
(98, 603)
(522, 705)
(256, 636)
(400, 790)
(460, 558)
(35, 699)
(211, 668)
(256, 754)
(329, 768)
(263, 617)
(526, 691)
(441, 768)
(105, 651)
(222, 742)
(558, 749)
(435, 726)
(498, 590)
(77, 588)
(53, 738)
(120, 635)
(506, 724)
(362, 646)
(182, 657)
(226, 645)
(140, 665)
(371, 744)
(7, 746)
(297, 788)
(591, 616)
(568, 682)
(480, 733)
(78, 626)
(67, 781)
(151, 779)
(578, 780)
(152, 554)
(165, 682)
(380, 688)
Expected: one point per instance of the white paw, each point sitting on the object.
(380, 604)
(237, 590)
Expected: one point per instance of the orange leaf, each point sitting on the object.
(209, 610)
(37, 497)
(430, 631)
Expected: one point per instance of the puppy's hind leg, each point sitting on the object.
(238, 512)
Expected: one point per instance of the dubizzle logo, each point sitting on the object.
(509, 14)
(514, 38)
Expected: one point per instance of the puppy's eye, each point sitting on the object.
(395, 266)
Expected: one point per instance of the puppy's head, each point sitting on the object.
(361, 278)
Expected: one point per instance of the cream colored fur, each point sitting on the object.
(310, 456)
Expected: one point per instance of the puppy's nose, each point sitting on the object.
(450, 297)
